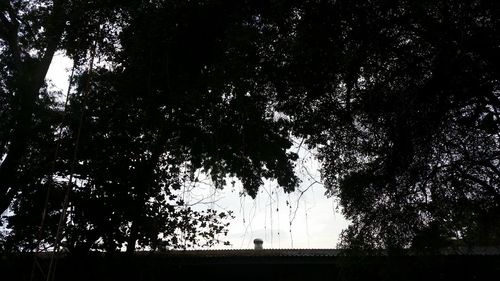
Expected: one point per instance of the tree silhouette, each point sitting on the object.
(401, 99)
(173, 98)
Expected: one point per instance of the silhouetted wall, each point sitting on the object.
(159, 267)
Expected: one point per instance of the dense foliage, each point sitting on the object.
(401, 98)
(171, 97)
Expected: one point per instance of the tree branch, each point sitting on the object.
(28, 83)
(10, 34)
(490, 189)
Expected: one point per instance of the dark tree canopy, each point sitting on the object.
(401, 98)
(173, 97)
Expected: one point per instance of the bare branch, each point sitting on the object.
(490, 189)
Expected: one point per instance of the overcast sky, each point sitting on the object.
(303, 219)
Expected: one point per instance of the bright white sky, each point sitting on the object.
(281, 220)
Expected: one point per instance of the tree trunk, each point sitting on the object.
(29, 78)
(132, 238)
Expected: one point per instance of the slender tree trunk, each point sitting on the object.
(132, 237)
